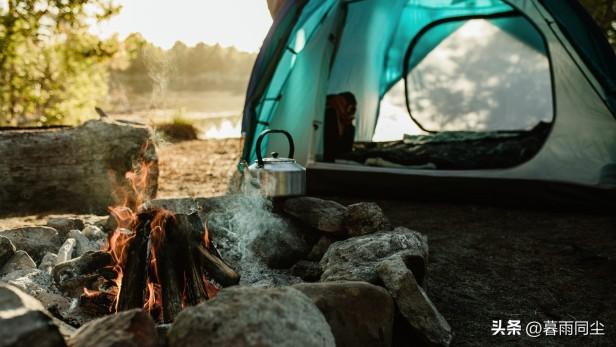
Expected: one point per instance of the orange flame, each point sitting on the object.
(133, 195)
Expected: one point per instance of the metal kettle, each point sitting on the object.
(276, 176)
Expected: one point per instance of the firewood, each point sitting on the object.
(75, 274)
(73, 169)
(132, 292)
(217, 268)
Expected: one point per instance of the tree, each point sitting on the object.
(51, 69)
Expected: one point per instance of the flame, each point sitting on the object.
(132, 195)
(90, 293)
(206, 237)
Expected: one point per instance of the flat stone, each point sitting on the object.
(324, 215)
(355, 259)
(35, 240)
(245, 316)
(416, 307)
(365, 218)
(20, 261)
(7, 250)
(24, 322)
(359, 313)
(65, 224)
(129, 328)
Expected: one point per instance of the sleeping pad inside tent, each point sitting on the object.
(455, 90)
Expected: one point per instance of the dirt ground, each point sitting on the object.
(197, 168)
(486, 263)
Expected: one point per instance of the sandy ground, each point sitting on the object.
(197, 168)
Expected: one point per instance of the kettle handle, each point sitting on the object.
(273, 131)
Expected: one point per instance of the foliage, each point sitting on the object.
(604, 13)
(51, 69)
(157, 72)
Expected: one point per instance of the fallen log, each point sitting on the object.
(73, 169)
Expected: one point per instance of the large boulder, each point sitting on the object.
(359, 313)
(422, 316)
(245, 316)
(324, 215)
(355, 259)
(365, 218)
(35, 240)
(129, 328)
(24, 322)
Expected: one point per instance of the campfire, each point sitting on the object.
(161, 260)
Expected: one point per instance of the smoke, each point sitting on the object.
(246, 216)
(160, 66)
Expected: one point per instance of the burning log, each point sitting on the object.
(217, 268)
(133, 278)
(73, 169)
(75, 274)
(165, 263)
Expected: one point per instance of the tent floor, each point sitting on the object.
(418, 185)
(490, 263)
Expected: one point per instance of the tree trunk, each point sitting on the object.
(80, 169)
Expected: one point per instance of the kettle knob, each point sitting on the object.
(275, 155)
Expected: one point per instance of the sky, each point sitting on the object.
(239, 23)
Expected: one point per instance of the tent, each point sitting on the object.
(472, 69)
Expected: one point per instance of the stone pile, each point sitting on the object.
(314, 273)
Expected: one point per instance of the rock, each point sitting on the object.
(413, 303)
(35, 240)
(244, 316)
(355, 259)
(129, 328)
(48, 262)
(65, 253)
(324, 215)
(365, 218)
(20, 261)
(82, 244)
(24, 322)
(359, 313)
(7, 250)
(163, 331)
(309, 271)
(319, 249)
(280, 247)
(39, 284)
(94, 233)
(64, 224)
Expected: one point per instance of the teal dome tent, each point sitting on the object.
(456, 94)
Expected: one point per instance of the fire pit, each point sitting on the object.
(230, 270)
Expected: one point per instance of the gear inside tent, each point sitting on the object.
(451, 95)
